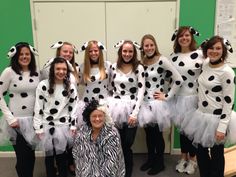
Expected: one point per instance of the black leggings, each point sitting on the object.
(187, 146)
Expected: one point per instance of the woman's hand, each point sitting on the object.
(219, 136)
(132, 121)
(15, 124)
(40, 135)
(159, 95)
(73, 132)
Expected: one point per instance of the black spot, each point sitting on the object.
(217, 111)
(72, 90)
(206, 92)
(51, 123)
(122, 92)
(184, 78)
(92, 78)
(44, 88)
(181, 63)
(49, 118)
(136, 71)
(86, 99)
(117, 97)
(160, 62)
(191, 73)
(146, 74)
(190, 84)
(152, 69)
(142, 74)
(122, 85)
(132, 97)
(23, 95)
(154, 79)
(227, 99)
(211, 78)
(96, 90)
(147, 84)
(41, 112)
(197, 65)
(57, 103)
(41, 126)
(41, 97)
(4, 93)
(101, 97)
(70, 108)
(205, 103)
(53, 111)
(174, 58)
(228, 81)
(31, 80)
(62, 119)
(217, 88)
(1, 82)
(20, 78)
(223, 116)
(140, 85)
(160, 70)
(73, 122)
(11, 95)
(131, 80)
(162, 81)
(64, 93)
(218, 99)
(15, 85)
(177, 82)
(23, 107)
(168, 73)
(194, 56)
(133, 90)
(71, 100)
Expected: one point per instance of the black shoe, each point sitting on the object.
(156, 169)
(146, 166)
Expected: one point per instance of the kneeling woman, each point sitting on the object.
(97, 150)
(53, 121)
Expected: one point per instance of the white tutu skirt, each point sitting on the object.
(120, 110)
(179, 105)
(201, 128)
(25, 129)
(154, 112)
(57, 141)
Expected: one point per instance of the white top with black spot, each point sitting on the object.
(55, 109)
(189, 66)
(156, 75)
(129, 86)
(96, 89)
(216, 92)
(21, 89)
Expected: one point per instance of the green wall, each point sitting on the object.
(16, 26)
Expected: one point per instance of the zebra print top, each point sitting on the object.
(100, 158)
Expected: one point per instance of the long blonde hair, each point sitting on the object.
(87, 64)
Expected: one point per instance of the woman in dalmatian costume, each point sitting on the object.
(94, 75)
(188, 61)
(128, 86)
(67, 51)
(20, 80)
(213, 120)
(54, 123)
(154, 113)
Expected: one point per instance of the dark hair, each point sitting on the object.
(15, 63)
(181, 30)
(135, 61)
(89, 108)
(51, 79)
(209, 44)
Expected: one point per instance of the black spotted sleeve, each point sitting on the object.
(5, 80)
(176, 79)
(228, 89)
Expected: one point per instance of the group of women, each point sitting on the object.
(193, 88)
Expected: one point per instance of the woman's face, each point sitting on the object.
(127, 52)
(185, 39)
(24, 57)
(149, 47)
(67, 52)
(94, 52)
(60, 71)
(97, 119)
(215, 52)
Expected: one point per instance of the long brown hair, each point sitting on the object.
(87, 64)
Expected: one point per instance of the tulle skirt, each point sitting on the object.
(201, 128)
(154, 112)
(179, 105)
(25, 129)
(80, 106)
(120, 110)
(57, 140)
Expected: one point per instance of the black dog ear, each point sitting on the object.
(193, 31)
(228, 45)
(57, 45)
(174, 35)
(84, 46)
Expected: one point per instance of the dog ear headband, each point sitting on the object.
(191, 29)
(225, 41)
(120, 43)
(13, 49)
(49, 62)
(100, 46)
(60, 43)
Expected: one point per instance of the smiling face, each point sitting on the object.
(94, 52)
(149, 47)
(60, 71)
(97, 119)
(215, 52)
(185, 39)
(66, 52)
(127, 52)
(24, 58)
